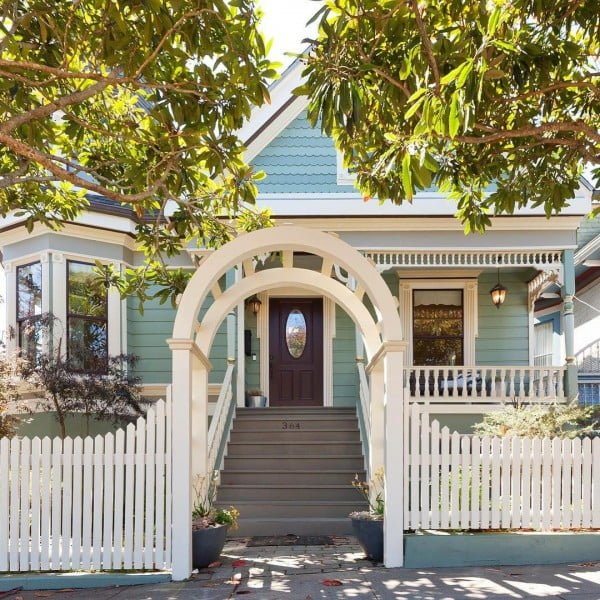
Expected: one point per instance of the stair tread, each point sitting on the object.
(300, 502)
(298, 456)
(275, 486)
(307, 443)
(313, 471)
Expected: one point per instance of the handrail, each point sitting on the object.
(588, 358)
(486, 383)
(363, 409)
(221, 420)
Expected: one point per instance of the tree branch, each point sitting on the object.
(427, 45)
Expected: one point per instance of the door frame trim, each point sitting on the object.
(329, 332)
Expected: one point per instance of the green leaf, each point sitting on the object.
(407, 176)
(454, 117)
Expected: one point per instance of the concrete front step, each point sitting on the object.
(296, 410)
(283, 492)
(349, 434)
(297, 461)
(285, 526)
(313, 509)
(291, 448)
(287, 477)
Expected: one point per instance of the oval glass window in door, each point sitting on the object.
(295, 333)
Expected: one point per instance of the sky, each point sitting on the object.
(284, 21)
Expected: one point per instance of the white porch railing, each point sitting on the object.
(455, 481)
(485, 384)
(220, 425)
(363, 409)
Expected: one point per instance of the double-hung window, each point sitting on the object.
(29, 308)
(87, 331)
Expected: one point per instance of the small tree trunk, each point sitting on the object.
(60, 417)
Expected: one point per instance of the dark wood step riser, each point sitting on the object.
(295, 436)
(258, 425)
(297, 410)
(292, 449)
(290, 510)
(262, 527)
(288, 478)
(238, 494)
(294, 462)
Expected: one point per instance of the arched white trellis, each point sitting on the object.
(192, 340)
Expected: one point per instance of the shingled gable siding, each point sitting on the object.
(147, 334)
(300, 159)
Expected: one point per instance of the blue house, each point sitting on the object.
(293, 349)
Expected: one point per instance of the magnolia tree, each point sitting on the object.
(497, 95)
(137, 102)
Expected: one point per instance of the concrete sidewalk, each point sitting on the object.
(340, 571)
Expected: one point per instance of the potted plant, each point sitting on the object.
(255, 399)
(210, 525)
(368, 525)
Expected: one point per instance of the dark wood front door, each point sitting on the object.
(296, 352)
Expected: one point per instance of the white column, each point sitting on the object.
(10, 295)
(377, 433)
(59, 301)
(241, 350)
(181, 552)
(200, 468)
(393, 537)
(46, 305)
(114, 305)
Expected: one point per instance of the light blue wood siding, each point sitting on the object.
(503, 333)
(345, 374)
(299, 159)
(146, 337)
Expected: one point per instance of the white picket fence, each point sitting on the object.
(469, 482)
(88, 504)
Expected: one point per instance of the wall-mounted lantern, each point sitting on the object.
(254, 304)
(498, 293)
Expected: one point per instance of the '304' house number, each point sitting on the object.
(290, 425)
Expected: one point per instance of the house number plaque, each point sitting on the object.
(290, 425)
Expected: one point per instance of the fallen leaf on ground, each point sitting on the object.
(43, 594)
(242, 592)
(331, 582)
(215, 564)
(239, 563)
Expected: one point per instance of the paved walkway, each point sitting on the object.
(341, 572)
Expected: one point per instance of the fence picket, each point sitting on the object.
(455, 481)
(159, 543)
(97, 502)
(445, 479)
(475, 482)
(505, 445)
(435, 474)
(87, 503)
(546, 483)
(15, 449)
(495, 494)
(107, 541)
(586, 483)
(24, 483)
(45, 493)
(425, 472)
(576, 492)
(138, 532)
(36, 450)
(485, 482)
(465, 448)
(596, 482)
(525, 483)
(566, 484)
(4, 504)
(515, 495)
(150, 424)
(129, 491)
(77, 497)
(556, 481)
(536, 482)
(67, 504)
(414, 466)
(119, 499)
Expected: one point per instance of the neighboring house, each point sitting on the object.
(335, 342)
(549, 329)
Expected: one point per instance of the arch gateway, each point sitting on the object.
(367, 301)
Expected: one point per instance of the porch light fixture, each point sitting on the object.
(498, 293)
(254, 304)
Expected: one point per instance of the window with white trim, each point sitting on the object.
(543, 345)
(87, 318)
(29, 308)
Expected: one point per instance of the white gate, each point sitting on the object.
(88, 503)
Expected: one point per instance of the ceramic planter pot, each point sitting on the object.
(207, 545)
(369, 534)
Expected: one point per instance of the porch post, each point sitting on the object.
(181, 454)
(568, 292)
(377, 417)
(393, 536)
